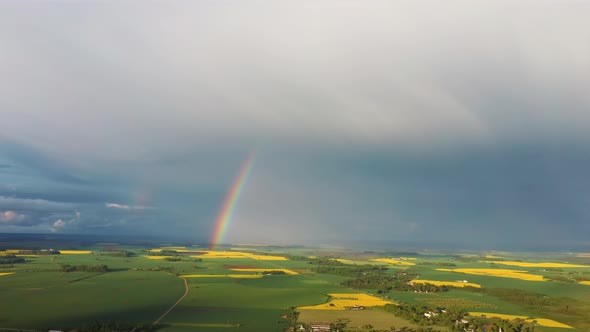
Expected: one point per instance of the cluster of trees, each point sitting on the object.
(430, 288)
(331, 266)
(38, 252)
(83, 268)
(415, 314)
(400, 282)
(298, 258)
(455, 319)
(173, 259)
(164, 252)
(11, 259)
(380, 282)
(325, 261)
(118, 253)
(374, 277)
(446, 264)
(159, 268)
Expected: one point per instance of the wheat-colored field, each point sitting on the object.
(261, 270)
(447, 283)
(503, 273)
(529, 264)
(340, 301)
(393, 261)
(75, 252)
(239, 254)
(541, 321)
(235, 276)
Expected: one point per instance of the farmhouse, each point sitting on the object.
(319, 327)
(430, 314)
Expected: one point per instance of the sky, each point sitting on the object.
(456, 123)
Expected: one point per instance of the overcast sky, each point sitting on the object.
(456, 122)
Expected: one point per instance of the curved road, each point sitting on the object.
(174, 305)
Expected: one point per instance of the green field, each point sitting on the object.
(38, 296)
(356, 319)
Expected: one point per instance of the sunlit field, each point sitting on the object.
(447, 283)
(263, 270)
(503, 273)
(540, 321)
(543, 264)
(236, 276)
(393, 261)
(75, 252)
(238, 254)
(242, 290)
(340, 301)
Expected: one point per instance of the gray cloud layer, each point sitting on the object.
(382, 120)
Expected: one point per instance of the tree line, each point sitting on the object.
(455, 319)
(83, 268)
(11, 259)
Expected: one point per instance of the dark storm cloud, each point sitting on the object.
(423, 120)
(26, 156)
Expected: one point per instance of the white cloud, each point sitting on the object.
(117, 206)
(59, 223)
(127, 207)
(11, 217)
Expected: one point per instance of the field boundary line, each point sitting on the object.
(175, 304)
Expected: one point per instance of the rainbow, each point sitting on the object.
(229, 204)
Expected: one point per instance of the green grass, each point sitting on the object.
(48, 300)
(38, 296)
(379, 319)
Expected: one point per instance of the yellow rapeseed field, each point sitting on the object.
(177, 249)
(223, 254)
(541, 321)
(239, 254)
(158, 257)
(492, 256)
(263, 270)
(345, 301)
(75, 252)
(528, 264)
(5, 273)
(236, 276)
(266, 257)
(503, 273)
(349, 261)
(585, 282)
(392, 261)
(447, 283)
